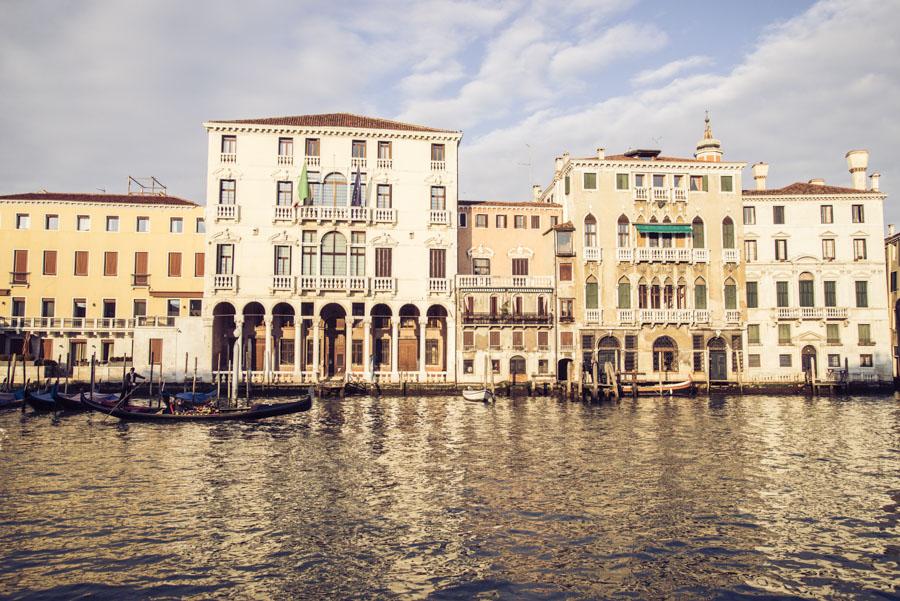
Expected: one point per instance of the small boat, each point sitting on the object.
(12, 400)
(147, 414)
(42, 401)
(479, 396)
(196, 398)
(657, 389)
(72, 402)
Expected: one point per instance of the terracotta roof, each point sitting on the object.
(510, 203)
(800, 188)
(135, 199)
(336, 120)
(622, 157)
(563, 227)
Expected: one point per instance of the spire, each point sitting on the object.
(709, 148)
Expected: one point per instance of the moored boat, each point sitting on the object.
(42, 401)
(657, 389)
(12, 400)
(72, 402)
(147, 414)
(479, 396)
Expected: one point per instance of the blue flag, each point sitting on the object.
(356, 199)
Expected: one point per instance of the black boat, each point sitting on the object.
(12, 400)
(147, 414)
(72, 402)
(42, 401)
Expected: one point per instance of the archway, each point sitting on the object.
(254, 333)
(608, 352)
(408, 343)
(334, 341)
(718, 359)
(665, 354)
(381, 337)
(222, 336)
(284, 333)
(563, 370)
(516, 367)
(808, 361)
(436, 338)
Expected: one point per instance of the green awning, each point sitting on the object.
(663, 228)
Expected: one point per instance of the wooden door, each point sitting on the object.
(407, 358)
(718, 369)
(46, 348)
(259, 353)
(156, 351)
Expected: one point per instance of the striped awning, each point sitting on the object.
(663, 228)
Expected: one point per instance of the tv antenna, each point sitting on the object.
(528, 164)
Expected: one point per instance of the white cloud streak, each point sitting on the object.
(671, 69)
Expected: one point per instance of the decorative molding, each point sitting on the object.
(520, 252)
(228, 173)
(383, 240)
(225, 235)
(283, 236)
(437, 242)
(480, 252)
(281, 175)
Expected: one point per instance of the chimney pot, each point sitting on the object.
(601, 153)
(874, 178)
(536, 192)
(890, 229)
(857, 163)
(760, 173)
(817, 181)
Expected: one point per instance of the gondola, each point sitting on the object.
(196, 398)
(42, 401)
(255, 412)
(12, 400)
(72, 402)
(657, 389)
(479, 396)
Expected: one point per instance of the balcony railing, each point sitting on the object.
(593, 315)
(312, 161)
(227, 211)
(358, 163)
(731, 255)
(283, 283)
(497, 281)
(836, 313)
(438, 285)
(662, 255)
(592, 253)
(334, 283)
(507, 318)
(323, 213)
(285, 159)
(384, 285)
(809, 313)
(437, 217)
(380, 215)
(625, 255)
(438, 165)
(700, 255)
(732, 316)
(660, 194)
(284, 213)
(641, 193)
(385, 163)
(83, 323)
(228, 157)
(701, 315)
(18, 278)
(625, 315)
(662, 316)
(140, 280)
(224, 282)
(679, 194)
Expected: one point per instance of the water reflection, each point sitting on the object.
(416, 498)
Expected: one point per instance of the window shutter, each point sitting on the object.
(706, 183)
(110, 263)
(174, 265)
(140, 263)
(81, 262)
(49, 262)
(199, 262)
(20, 261)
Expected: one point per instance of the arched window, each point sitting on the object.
(700, 293)
(643, 296)
(517, 305)
(807, 290)
(655, 294)
(727, 233)
(516, 365)
(681, 294)
(542, 305)
(668, 295)
(624, 293)
(590, 232)
(697, 233)
(334, 190)
(470, 305)
(730, 294)
(334, 254)
(623, 239)
(665, 354)
(591, 293)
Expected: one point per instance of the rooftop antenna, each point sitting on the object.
(528, 164)
(103, 190)
(145, 186)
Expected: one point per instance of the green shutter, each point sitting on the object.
(567, 184)
(591, 300)
(700, 296)
(706, 183)
(731, 296)
(624, 295)
(752, 295)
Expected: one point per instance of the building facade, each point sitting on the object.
(332, 243)
(815, 279)
(892, 256)
(649, 264)
(108, 275)
(505, 291)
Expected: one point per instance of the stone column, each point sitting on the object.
(423, 322)
(267, 359)
(315, 357)
(450, 348)
(298, 346)
(348, 346)
(237, 355)
(367, 354)
(395, 347)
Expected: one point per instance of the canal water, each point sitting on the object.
(775, 497)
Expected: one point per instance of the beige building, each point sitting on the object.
(88, 273)
(892, 257)
(505, 291)
(648, 262)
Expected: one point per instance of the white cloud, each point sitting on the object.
(583, 59)
(670, 70)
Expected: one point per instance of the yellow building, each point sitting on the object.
(85, 271)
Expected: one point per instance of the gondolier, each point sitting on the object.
(130, 380)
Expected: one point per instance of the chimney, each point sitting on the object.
(760, 173)
(874, 178)
(817, 181)
(561, 162)
(536, 192)
(857, 163)
(601, 153)
(890, 229)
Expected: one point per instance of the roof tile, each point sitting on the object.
(109, 198)
(336, 120)
(800, 188)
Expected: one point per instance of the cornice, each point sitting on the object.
(346, 132)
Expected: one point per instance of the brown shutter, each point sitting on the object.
(175, 265)
(20, 261)
(437, 269)
(199, 262)
(49, 262)
(383, 262)
(110, 263)
(140, 263)
(81, 262)
(156, 349)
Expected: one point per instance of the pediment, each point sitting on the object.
(781, 234)
(224, 236)
(520, 252)
(383, 240)
(228, 173)
(281, 175)
(810, 337)
(283, 237)
(437, 242)
(480, 252)
(382, 177)
(860, 234)
(438, 178)
(806, 259)
(828, 234)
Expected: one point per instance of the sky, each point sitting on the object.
(94, 91)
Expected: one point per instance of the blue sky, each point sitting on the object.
(94, 91)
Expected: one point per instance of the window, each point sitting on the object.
(565, 272)
(109, 308)
(752, 295)
(112, 224)
(312, 147)
(781, 294)
(832, 333)
(621, 181)
(282, 260)
(284, 194)
(753, 360)
(826, 214)
(749, 215)
(173, 307)
(142, 225)
(865, 334)
(518, 339)
(285, 147)
(590, 231)
(195, 307)
(176, 225)
(699, 183)
(638, 180)
(141, 278)
(468, 366)
(726, 183)
(481, 266)
(567, 185)
(784, 360)
(110, 263)
(49, 262)
(727, 233)
(51, 222)
(858, 214)
(358, 149)
(224, 259)
(308, 253)
(590, 181)
(566, 340)
(463, 220)
(623, 238)
(79, 308)
(862, 294)
(81, 262)
(659, 181)
(481, 220)
(83, 223)
(174, 265)
(781, 249)
(383, 262)
(893, 281)
(20, 267)
(358, 253)
(200, 228)
(199, 264)
(18, 307)
(624, 295)
(784, 333)
(834, 361)
(333, 256)
(48, 307)
(564, 244)
(23, 221)
(383, 195)
(468, 339)
(438, 198)
(437, 263)
(778, 214)
(700, 296)
(543, 367)
(591, 294)
(520, 266)
(730, 295)
(543, 340)
(500, 221)
(830, 293)
(519, 222)
(226, 192)
(437, 152)
(753, 333)
(566, 308)
(859, 249)
(384, 150)
(828, 249)
(750, 250)
(554, 220)
(229, 144)
(535, 222)
(865, 361)
(139, 308)
(494, 339)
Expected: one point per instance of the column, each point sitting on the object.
(236, 356)
(395, 347)
(367, 354)
(267, 358)
(348, 346)
(315, 365)
(423, 321)
(298, 346)
(450, 347)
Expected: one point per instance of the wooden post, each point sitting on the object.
(12, 378)
(66, 387)
(595, 384)
(8, 378)
(634, 388)
(249, 373)
(185, 369)
(93, 357)
(218, 377)
(24, 373)
(151, 375)
(194, 382)
(660, 366)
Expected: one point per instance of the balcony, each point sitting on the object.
(625, 315)
(731, 255)
(438, 165)
(334, 283)
(436, 217)
(225, 282)
(732, 316)
(701, 315)
(496, 281)
(660, 194)
(312, 161)
(283, 283)
(224, 212)
(358, 163)
(384, 285)
(283, 213)
(140, 280)
(642, 193)
(592, 253)
(61, 324)
(810, 313)
(666, 316)
(593, 315)
(679, 194)
(662, 255)
(507, 318)
(438, 285)
(380, 215)
(228, 157)
(835, 313)
(385, 163)
(624, 255)
(322, 213)
(285, 159)
(18, 278)
(700, 255)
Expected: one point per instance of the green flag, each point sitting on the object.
(303, 194)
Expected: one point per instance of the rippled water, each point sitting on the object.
(436, 497)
